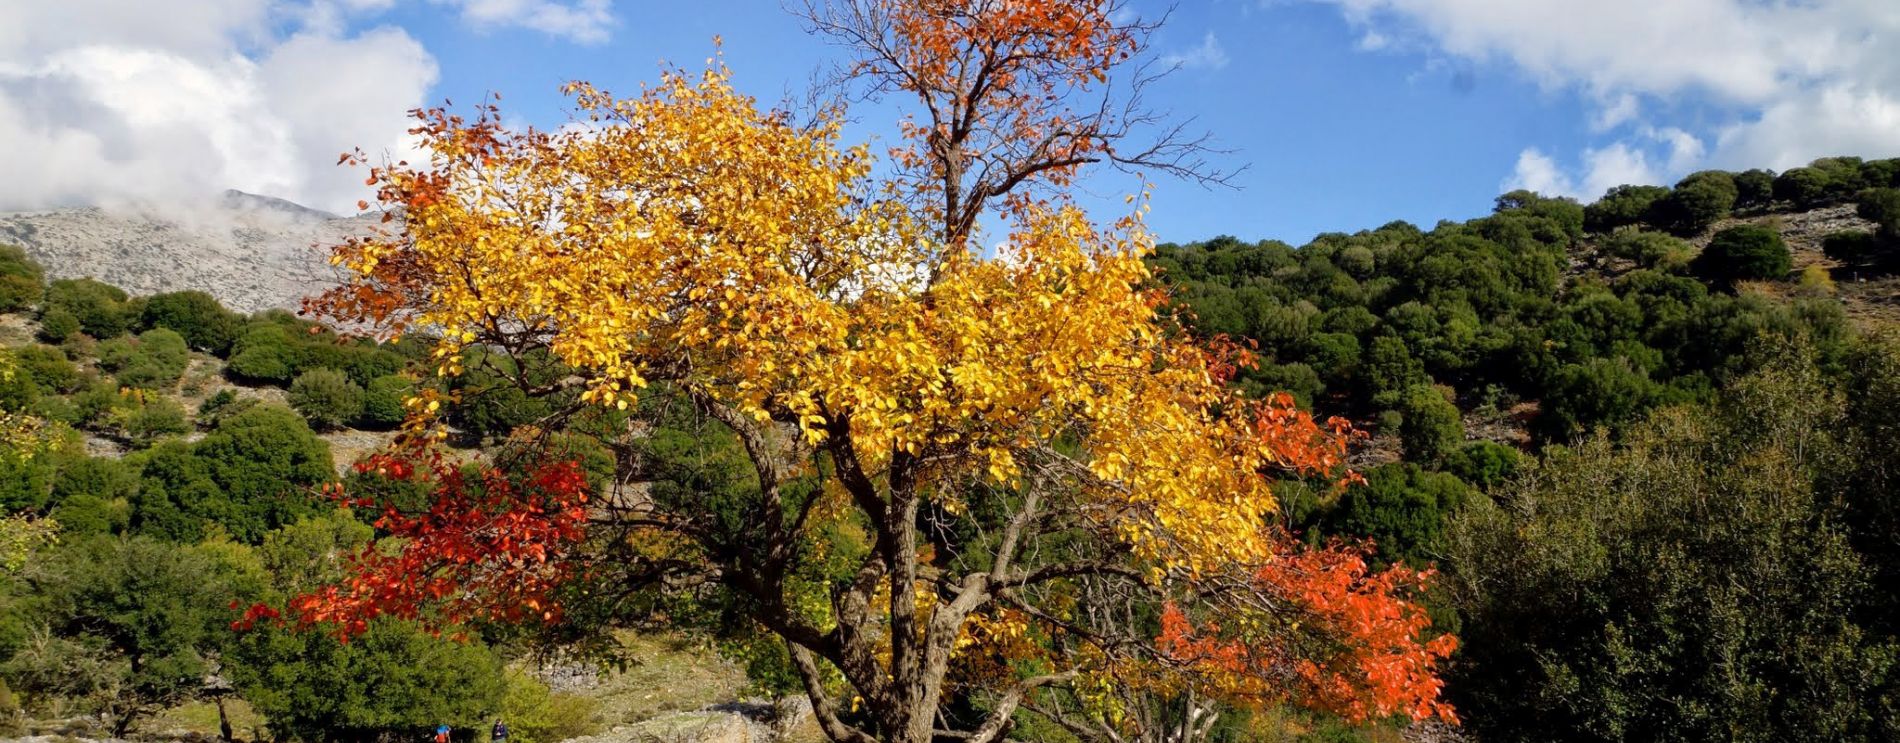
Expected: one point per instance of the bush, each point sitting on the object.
(204, 323)
(154, 360)
(58, 324)
(1650, 249)
(253, 473)
(1852, 246)
(1432, 426)
(1754, 189)
(1691, 581)
(222, 405)
(1697, 202)
(91, 514)
(383, 401)
(1744, 252)
(265, 353)
(1402, 508)
(99, 307)
(48, 368)
(536, 715)
(1486, 464)
(326, 397)
(157, 417)
(1882, 207)
(22, 280)
(1622, 205)
(1805, 188)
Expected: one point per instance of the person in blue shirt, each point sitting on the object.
(500, 733)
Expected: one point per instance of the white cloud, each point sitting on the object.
(1788, 81)
(584, 21)
(1602, 169)
(1209, 55)
(134, 101)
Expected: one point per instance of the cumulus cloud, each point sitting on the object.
(1208, 55)
(138, 102)
(1785, 82)
(585, 21)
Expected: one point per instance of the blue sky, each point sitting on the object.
(1334, 138)
(1348, 113)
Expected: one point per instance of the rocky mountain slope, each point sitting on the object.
(251, 252)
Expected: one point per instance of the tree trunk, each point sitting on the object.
(224, 722)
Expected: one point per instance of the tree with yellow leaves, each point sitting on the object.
(969, 477)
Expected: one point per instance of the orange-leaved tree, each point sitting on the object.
(1003, 480)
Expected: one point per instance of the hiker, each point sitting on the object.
(441, 734)
(500, 735)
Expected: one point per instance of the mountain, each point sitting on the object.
(251, 252)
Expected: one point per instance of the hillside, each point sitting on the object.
(251, 252)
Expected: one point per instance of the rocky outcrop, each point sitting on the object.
(251, 252)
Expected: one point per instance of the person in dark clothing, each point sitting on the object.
(500, 734)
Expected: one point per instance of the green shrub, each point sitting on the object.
(1853, 246)
(1697, 202)
(1805, 188)
(383, 401)
(1402, 508)
(22, 280)
(204, 323)
(1622, 205)
(536, 715)
(154, 360)
(91, 514)
(253, 473)
(99, 477)
(1882, 207)
(326, 397)
(157, 417)
(265, 353)
(1754, 189)
(58, 324)
(1744, 252)
(1650, 249)
(1486, 464)
(222, 405)
(99, 307)
(48, 368)
(1432, 426)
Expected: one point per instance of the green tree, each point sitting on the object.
(1744, 252)
(58, 324)
(1805, 188)
(383, 401)
(1622, 205)
(133, 623)
(1754, 189)
(254, 472)
(265, 352)
(100, 308)
(22, 280)
(1697, 201)
(1402, 509)
(1689, 582)
(393, 680)
(1432, 427)
(1882, 207)
(204, 323)
(326, 397)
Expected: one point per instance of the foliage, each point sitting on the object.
(153, 361)
(384, 401)
(204, 323)
(252, 473)
(1754, 189)
(326, 397)
(1691, 582)
(1621, 206)
(100, 308)
(133, 623)
(1401, 508)
(536, 715)
(393, 678)
(1432, 427)
(22, 280)
(1882, 207)
(57, 324)
(1744, 252)
(1650, 249)
(1038, 411)
(1697, 201)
